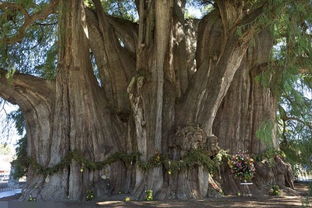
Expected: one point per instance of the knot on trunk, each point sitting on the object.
(284, 173)
(136, 100)
(193, 138)
(212, 145)
(134, 90)
(273, 172)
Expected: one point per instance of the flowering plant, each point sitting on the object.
(242, 166)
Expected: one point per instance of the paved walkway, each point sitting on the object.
(9, 192)
(227, 202)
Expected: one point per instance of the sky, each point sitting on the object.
(194, 12)
(8, 133)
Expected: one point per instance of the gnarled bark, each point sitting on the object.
(116, 63)
(74, 121)
(247, 106)
(152, 98)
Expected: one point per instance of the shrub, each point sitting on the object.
(149, 195)
(275, 190)
(31, 199)
(310, 188)
(90, 195)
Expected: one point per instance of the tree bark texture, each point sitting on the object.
(247, 106)
(167, 84)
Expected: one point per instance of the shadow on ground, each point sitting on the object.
(227, 202)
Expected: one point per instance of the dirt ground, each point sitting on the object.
(227, 201)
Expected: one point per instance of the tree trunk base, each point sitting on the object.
(266, 176)
(194, 183)
(45, 188)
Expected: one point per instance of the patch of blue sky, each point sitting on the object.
(193, 11)
(8, 132)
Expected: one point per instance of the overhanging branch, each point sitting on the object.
(20, 86)
(252, 16)
(29, 19)
(14, 6)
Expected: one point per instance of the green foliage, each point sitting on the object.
(31, 52)
(31, 199)
(305, 201)
(222, 156)
(269, 155)
(17, 116)
(21, 162)
(10, 74)
(275, 190)
(127, 199)
(290, 78)
(89, 195)
(264, 133)
(125, 9)
(295, 125)
(310, 188)
(48, 68)
(149, 195)
(298, 152)
(190, 160)
(5, 149)
(291, 81)
(200, 6)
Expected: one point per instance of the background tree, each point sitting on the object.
(109, 77)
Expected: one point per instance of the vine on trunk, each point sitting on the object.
(190, 159)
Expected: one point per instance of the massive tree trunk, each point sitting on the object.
(248, 107)
(67, 114)
(151, 99)
(248, 103)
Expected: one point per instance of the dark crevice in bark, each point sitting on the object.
(67, 182)
(236, 126)
(214, 75)
(115, 63)
(251, 103)
(150, 89)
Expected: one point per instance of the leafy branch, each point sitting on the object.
(28, 18)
